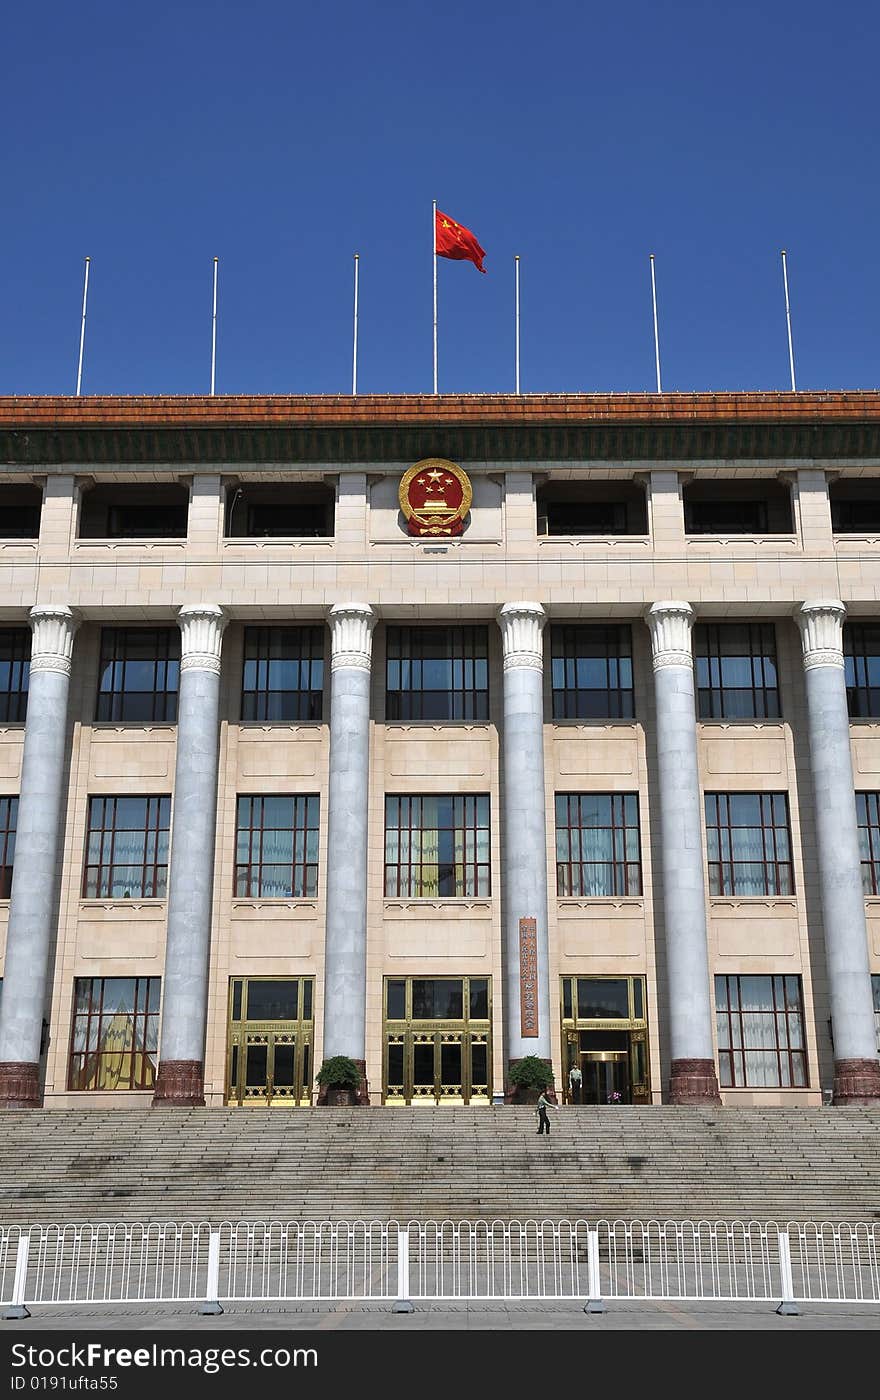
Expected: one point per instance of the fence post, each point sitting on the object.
(16, 1308)
(788, 1307)
(594, 1303)
(404, 1302)
(211, 1306)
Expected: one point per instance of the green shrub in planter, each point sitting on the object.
(339, 1072)
(530, 1073)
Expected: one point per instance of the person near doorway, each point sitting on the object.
(575, 1083)
(543, 1121)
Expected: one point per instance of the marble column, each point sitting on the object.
(856, 1068)
(524, 832)
(345, 957)
(38, 844)
(181, 1078)
(693, 1079)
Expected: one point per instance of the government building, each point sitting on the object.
(438, 732)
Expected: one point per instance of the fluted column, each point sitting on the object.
(37, 857)
(856, 1068)
(345, 964)
(524, 834)
(693, 1079)
(181, 1077)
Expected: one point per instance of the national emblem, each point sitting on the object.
(435, 496)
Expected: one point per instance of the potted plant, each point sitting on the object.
(339, 1080)
(528, 1077)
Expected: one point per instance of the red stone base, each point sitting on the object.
(360, 1097)
(19, 1085)
(693, 1082)
(857, 1081)
(180, 1084)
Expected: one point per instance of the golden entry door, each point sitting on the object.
(269, 1062)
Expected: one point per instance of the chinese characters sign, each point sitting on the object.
(528, 977)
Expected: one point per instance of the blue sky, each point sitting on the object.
(283, 137)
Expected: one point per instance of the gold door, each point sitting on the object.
(441, 1063)
(269, 1061)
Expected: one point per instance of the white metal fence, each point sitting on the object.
(402, 1262)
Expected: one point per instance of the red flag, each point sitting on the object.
(453, 240)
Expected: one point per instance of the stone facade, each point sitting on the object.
(368, 575)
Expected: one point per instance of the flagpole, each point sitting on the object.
(354, 353)
(82, 328)
(434, 247)
(656, 330)
(788, 322)
(516, 267)
(214, 332)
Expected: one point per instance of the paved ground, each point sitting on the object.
(471, 1317)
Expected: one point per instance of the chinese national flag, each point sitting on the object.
(453, 240)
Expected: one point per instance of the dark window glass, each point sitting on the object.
(567, 1011)
(586, 518)
(736, 671)
(20, 508)
(437, 999)
(115, 1038)
(396, 1001)
(861, 654)
(236, 1000)
(272, 1001)
(602, 998)
(8, 821)
(127, 849)
(277, 848)
(139, 512)
(760, 1032)
(283, 676)
(139, 674)
(437, 846)
(725, 517)
(437, 673)
(15, 666)
(748, 842)
(592, 673)
(479, 997)
(280, 510)
(598, 850)
(868, 810)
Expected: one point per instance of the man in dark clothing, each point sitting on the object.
(543, 1121)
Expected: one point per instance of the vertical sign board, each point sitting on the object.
(528, 977)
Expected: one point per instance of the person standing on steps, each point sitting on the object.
(575, 1080)
(543, 1104)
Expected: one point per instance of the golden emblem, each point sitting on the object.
(435, 496)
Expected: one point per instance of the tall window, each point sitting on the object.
(277, 848)
(760, 1032)
(592, 672)
(15, 665)
(8, 822)
(437, 846)
(127, 853)
(736, 671)
(437, 673)
(115, 1038)
(139, 674)
(749, 843)
(597, 844)
(861, 654)
(283, 676)
(875, 988)
(868, 812)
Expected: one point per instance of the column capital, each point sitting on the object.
(821, 627)
(670, 625)
(54, 626)
(351, 635)
(521, 627)
(201, 636)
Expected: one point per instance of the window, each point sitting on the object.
(280, 510)
(597, 844)
(592, 672)
(139, 674)
(437, 846)
(592, 508)
(736, 671)
(20, 508)
(140, 512)
(749, 845)
(15, 666)
(437, 998)
(760, 1033)
(277, 848)
(283, 676)
(727, 507)
(437, 673)
(861, 655)
(127, 853)
(855, 505)
(115, 1038)
(868, 813)
(8, 822)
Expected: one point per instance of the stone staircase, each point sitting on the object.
(460, 1163)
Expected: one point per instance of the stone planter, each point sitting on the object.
(341, 1098)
